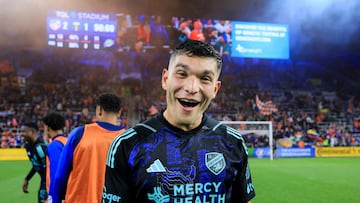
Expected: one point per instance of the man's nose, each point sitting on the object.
(192, 86)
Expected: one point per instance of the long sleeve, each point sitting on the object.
(30, 174)
(65, 165)
(54, 151)
(116, 175)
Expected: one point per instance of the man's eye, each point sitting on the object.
(206, 78)
(182, 74)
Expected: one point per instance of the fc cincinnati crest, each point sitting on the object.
(215, 162)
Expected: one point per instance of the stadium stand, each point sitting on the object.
(314, 96)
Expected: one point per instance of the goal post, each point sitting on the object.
(255, 129)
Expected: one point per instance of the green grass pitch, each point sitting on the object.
(299, 180)
(12, 174)
(284, 180)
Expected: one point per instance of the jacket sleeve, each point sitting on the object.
(30, 174)
(65, 165)
(54, 151)
(117, 186)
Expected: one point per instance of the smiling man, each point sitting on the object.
(35, 147)
(181, 154)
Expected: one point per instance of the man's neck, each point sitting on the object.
(54, 133)
(109, 119)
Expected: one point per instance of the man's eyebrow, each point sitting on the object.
(182, 65)
(209, 72)
(186, 67)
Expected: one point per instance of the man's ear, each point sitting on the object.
(164, 77)
(217, 87)
(119, 113)
(100, 112)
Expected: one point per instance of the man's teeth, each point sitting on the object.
(188, 101)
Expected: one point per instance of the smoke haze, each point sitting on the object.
(313, 24)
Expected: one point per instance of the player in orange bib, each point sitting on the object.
(80, 174)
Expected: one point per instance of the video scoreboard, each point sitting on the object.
(81, 30)
(260, 40)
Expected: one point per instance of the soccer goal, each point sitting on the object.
(255, 133)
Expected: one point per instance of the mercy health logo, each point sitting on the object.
(190, 193)
(215, 162)
(158, 197)
(110, 197)
(179, 188)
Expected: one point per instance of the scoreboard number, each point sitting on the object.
(81, 30)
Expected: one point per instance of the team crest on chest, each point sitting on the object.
(215, 162)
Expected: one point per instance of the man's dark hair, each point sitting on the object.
(55, 121)
(109, 102)
(31, 125)
(200, 49)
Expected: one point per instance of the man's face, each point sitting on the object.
(190, 83)
(47, 131)
(27, 133)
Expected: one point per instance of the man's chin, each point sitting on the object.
(187, 120)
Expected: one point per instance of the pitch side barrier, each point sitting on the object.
(264, 152)
(337, 152)
(13, 154)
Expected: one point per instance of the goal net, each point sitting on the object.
(257, 134)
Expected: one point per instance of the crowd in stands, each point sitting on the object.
(155, 34)
(316, 98)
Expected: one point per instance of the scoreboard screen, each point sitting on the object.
(81, 30)
(260, 40)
